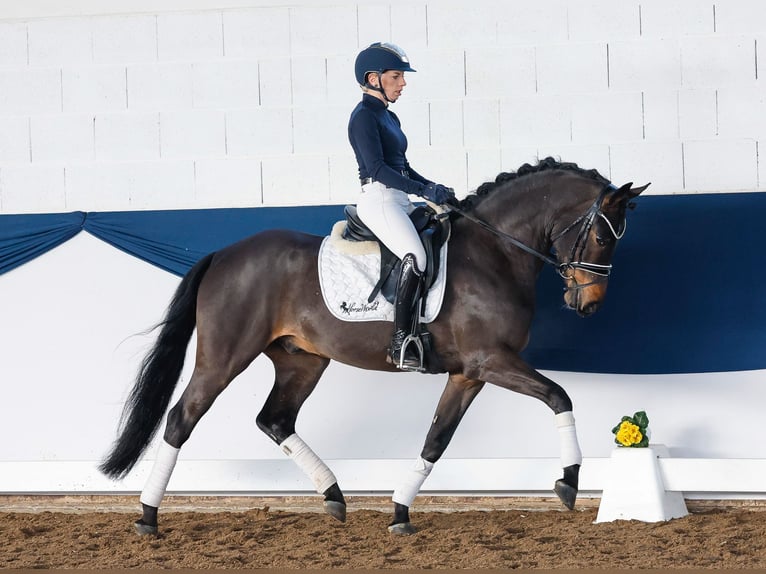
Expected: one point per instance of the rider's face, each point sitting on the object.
(392, 82)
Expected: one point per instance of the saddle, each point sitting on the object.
(433, 229)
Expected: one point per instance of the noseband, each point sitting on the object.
(565, 270)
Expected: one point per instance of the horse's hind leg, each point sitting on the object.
(203, 388)
(296, 376)
(454, 402)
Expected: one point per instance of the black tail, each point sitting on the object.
(157, 377)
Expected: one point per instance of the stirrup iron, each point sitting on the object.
(411, 339)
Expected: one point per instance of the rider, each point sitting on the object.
(387, 178)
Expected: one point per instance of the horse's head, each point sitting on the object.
(585, 243)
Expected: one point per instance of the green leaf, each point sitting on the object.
(641, 419)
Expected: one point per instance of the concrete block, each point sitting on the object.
(125, 39)
(13, 44)
(546, 19)
(483, 164)
(127, 136)
(442, 165)
(57, 41)
(720, 165)
(660, 163)
(308, 80)
(94, 89)
(344, 178)
(474, 23)
(535, 120)
(341, 85)
(500, 72)
(603, 20)
(257, 32)
(130, 186)
(227, 183)
(323, 30)
(607, 118)
(717, 61)
(662, 19)
(374, 24)
(225, 84)
(416, 123)
(192, 134)
(592, 156)
(481, 123)
(409, 26)
(740, 18)
(275, 82)
(30, 90)
(644, 65)
(32, 189)
(296, 180)
(571, 68)
(189, 36)
(440, 73)
(514, 156)
(742, 112)
(259, 131)
(661, 115)
(320, 129)
(697, 117)
(62, 138)
(446, 123)
(642, 496)
(159, 86)
(14, 140)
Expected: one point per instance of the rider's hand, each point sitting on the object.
(439, 194)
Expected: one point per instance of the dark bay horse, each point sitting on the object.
(262, 295)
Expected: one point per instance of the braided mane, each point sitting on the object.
(545, 164)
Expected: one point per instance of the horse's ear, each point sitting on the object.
(623, 194)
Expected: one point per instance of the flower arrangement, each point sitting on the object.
(632, 431)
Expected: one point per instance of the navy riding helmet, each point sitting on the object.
(378, 58)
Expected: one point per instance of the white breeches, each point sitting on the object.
(385, 211)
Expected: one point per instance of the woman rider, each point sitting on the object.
(387, 178)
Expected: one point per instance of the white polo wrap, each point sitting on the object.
(410, 487)
(570, 449)
(163, 467)
(322, 477)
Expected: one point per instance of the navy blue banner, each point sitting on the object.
(685, 296)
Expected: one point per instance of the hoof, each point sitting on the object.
(144, 529)
(402, 529)
(566, 493)
(335, 509)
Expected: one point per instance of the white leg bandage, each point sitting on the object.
(160, 475)
(410, 487)
(322, 477)
(570, 449)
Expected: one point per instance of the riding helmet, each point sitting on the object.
(378, 58)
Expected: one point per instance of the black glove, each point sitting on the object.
(439, 194)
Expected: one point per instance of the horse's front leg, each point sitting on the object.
(510, 372)
(455, 400)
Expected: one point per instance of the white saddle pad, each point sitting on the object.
(349, 270)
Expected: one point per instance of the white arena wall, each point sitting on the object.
(207, 103)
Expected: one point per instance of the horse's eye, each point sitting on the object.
(601, 240)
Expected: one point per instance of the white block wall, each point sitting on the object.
(223, 103)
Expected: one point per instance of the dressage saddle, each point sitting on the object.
(433, 229)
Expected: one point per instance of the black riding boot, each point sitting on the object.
(406, 309)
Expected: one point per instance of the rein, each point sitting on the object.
(563, 269)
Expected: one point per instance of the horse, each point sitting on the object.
(262, 295)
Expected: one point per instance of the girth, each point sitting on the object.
(433, 230)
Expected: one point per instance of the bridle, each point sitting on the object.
(566, 269)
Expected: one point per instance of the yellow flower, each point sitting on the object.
(629, 434)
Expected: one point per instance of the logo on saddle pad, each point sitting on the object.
(348, 272)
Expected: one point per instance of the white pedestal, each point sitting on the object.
(634, 489)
